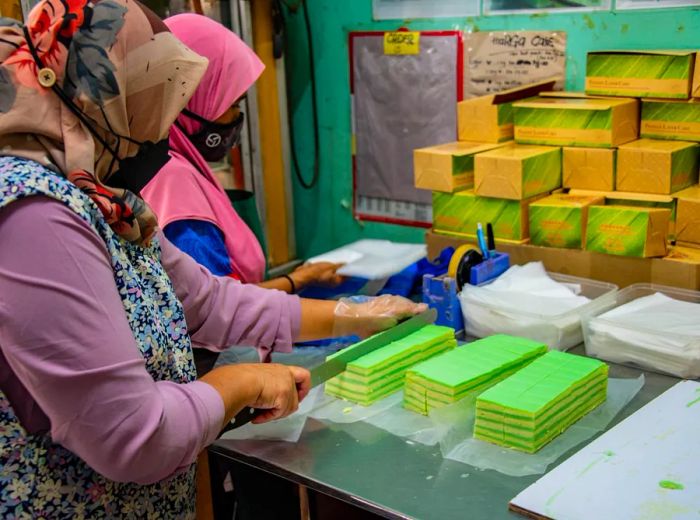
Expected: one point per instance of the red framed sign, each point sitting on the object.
(404, 89)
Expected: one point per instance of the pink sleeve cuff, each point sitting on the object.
(213, 405)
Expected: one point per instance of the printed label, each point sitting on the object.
(401, 42)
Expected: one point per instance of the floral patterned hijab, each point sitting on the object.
(121, 67)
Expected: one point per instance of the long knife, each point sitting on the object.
(339, 361)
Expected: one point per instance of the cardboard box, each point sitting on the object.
(517, 171)
(589, 168)
(620, 270)
(575, 121)
(671, 119)
(627, 230)
(447, 167)
(642, 200)
(651, 166)
(490, 118)
(686, 255)
(688, 216)
(655, 74)
(459, 213)
(560, 220)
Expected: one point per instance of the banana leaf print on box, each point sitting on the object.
(671, 120)
(576, 121)
(627, 231)
(652, 74)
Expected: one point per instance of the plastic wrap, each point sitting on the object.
(527, 301)
(656, 332)
(373, 259)
(458, 444)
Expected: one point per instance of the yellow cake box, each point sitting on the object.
(666, 74)
(589, 168)
(643, 200)
(576, 121)
(447, 167)
(688, 216)
(655, 166)
(627, 230)
(490, 118)
(517, 172)
(560, 220)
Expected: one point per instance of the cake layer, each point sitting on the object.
(399, 365)
(533, 406)
(451, 376)
(356, 383)
(423, 337)
(381, 372)
(533, 446)
(495, 422)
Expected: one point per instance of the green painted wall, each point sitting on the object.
(323, 216)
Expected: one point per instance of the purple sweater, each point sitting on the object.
(68, 360)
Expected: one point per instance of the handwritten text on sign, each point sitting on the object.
(497, 61)
(401, 42)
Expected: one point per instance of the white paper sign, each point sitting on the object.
(497, 61)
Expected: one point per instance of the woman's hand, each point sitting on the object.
(320, 273)
(278, 389)
(366, 316)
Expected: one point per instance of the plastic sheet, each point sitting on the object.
(329, 408)
(288, 429)
(458, 444)
(526, 301)
(373, 259)
(655, 332)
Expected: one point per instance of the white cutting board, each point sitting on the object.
(618, 476)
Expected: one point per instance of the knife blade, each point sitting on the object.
(338, 362)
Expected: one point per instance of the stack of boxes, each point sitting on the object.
(486, 132)
(625, 153)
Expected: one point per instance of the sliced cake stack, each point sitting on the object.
(534, 405)
(475, 367)
(381, 372)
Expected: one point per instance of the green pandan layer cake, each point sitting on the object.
(449, 377)
(381, 372)
(534, 405)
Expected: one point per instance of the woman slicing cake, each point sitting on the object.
(101, 412)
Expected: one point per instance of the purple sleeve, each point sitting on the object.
(221, 311)
(67, 343)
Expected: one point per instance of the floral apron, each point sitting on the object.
(40, 479)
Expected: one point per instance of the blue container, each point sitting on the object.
(440, 293)
(489, 269)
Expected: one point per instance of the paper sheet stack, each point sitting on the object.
(525, 301)
(539, 402)
(449, 377)
(654, 332)
(380, 373)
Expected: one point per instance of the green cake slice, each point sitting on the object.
(449, 377)
(381, 372)
(539, 402)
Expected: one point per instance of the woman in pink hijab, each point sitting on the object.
(191, 204)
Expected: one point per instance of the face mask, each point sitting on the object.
(214, 140)
(137, 171)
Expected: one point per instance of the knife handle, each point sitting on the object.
(244, 417)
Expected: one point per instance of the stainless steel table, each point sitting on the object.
(370, 468)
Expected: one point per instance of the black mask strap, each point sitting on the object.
(62, 95)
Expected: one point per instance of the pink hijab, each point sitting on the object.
(186, 188)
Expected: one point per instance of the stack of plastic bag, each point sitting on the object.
(525, 301)
(654, 332)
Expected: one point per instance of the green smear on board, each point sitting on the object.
(691, 403)
(669, 484)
